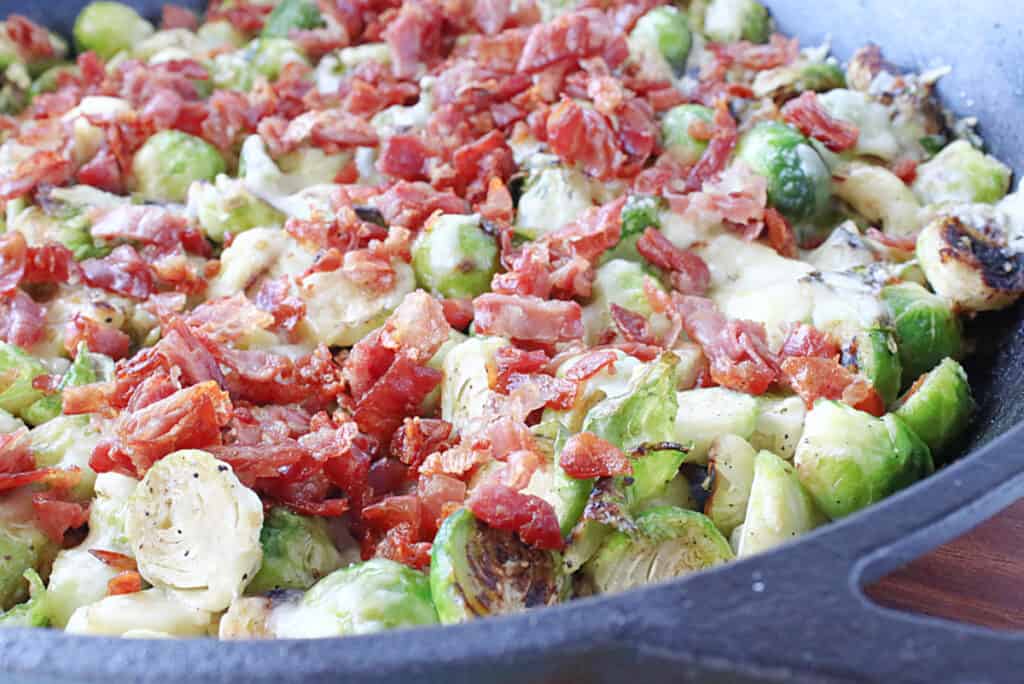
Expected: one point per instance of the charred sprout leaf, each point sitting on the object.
(939, 405)
(368, 597)
(927, 330)
(731, 467)
(878, 359)
(453, 257)
(33, 613)
(477, 571)
(297, 551)
(962, 173)
(195, 529)
(668, 542)
(848, 459)
(677, 134)
(779, 508)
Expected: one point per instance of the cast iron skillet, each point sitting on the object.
(794, 614)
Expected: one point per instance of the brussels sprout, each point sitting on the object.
(926, 329)
(843, 250)
(567, 495)
(848, 459)
(639, 422)
(18, 369)
(641, 212)
(297, 551)
(609, 382)
(231, 71)
(46, 82)
(33, 613)
(664, 31)
(675, 132)
(620, 282)
(938, 407)
(961, 173)
(975, 270)
(785, 82)
(706, 413)
(292, 14)
(226, 206)
(879, 196)
(453, 257)
(195, 529)
(466, 387)
(780, 423)
(669, 542)
(149, 613)
(731, 467)
(270, 55)
(727, 21)
(878, 359)
(678, 493)
(779, 508)
(9, 423)
(220, 34)
(377, 595)
(22, 547)
(78, 578)
(877, 136)
(169, 161)
(799, 182)
(67, 442)
(476, 571)
(19, 65)
(81, 372)
(107, 28)
(553, 197)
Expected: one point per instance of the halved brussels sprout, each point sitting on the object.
(962, 173)
(553, 197)
(726, 21)
(33, 613)
(169, 161)
(454, 257)
(620, 282)
(365, 597)
(226, 206)
(195, 529)
(878, 359)
(82, 371)
(567, 495)
(297, 551)
(639, 213)
(706, 413)
(799, 182)
(466, 387)
(879, 196)
(220, 34)
(975, 270)
(788, 81)
(665, 32)
(149, 613)
(926, 329)
(18, 369)
(67, 442)
(939, 405)
(669, 542)
(107, 28)
(477, 571)
(292, 14)
(675, 132)
(22, 547)
(848, 459)
(780, 423)
(779, 508)
(731, 467)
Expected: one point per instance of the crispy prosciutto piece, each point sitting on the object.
(584, 136)
(687, 271)
(586, 456)
(99, 337)
(395, 395)
(633, 326)
(781, 236)
(22, 320)
(41, 167)
(122, 272)
(409, 204)
(816, 378)
(32, 40)
(814, 121)
(504, 508)
(723, 140)
(528, 318)
(415, 37)
(417, 438)
(55, 515)
(806, 340)
(572, 37)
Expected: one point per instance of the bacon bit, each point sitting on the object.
(404, 157)
(807, 114)
(99, 337)
(586, 456)
(15, 452)
(244, 15)
(510, 360)
(555, 393)
(415, 38)
(409, 204)
(816, 378)
(42, 167)
(779, 51)
(781, 236)
(395, 395)
(13, 260)
(503, 508)
(905, 170)
(477, 163)
(574, 36)
(688, 272)
(127, 582)
(399, 545)
(633, 326)
(528, 318)
(458, 312)
(806, 340)
(176, 16)
(114, 560)
(22, 320)
(417, 438)
(595, 231)
(122, 272)
(590, 364)
(328, 508)
(721, 145)
(497, 205)
(32, 40)
(438, 495)
(584, 136)
(55, 516)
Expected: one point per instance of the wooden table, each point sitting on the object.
(978, 578)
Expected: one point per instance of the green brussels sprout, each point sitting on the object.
(269, 55)
(14, 86)
(821, 77)
(107, 28)
(195, 530)
(67, 442)
(677, 493)
(779, 508)
(879, 196)
(641, 420)
(620, 282)
(780, 423)
(611, 381)
(18, 369)
(669, 542)
(231, 71)
(731, 467)
(476, 571)
(226, 206)
(553, 196)
(46, 82)
(707, 413)
(726, 21)
(663, 31)
(799, 182)
(927, 330)
(962, 173)
(454, 257)
(848, 459)
(33, 613)
(169, 161)
(82, 371)
(938, 406)
(220, 34)
(292, 14)
(23, 546)
(377, 595)
(465, 385)
(567, 495)
(878, 359)
(786, 82)
(675, 132)
(641, 212)
(974, 269)
(297, 551)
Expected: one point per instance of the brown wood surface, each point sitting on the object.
(977, 578)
